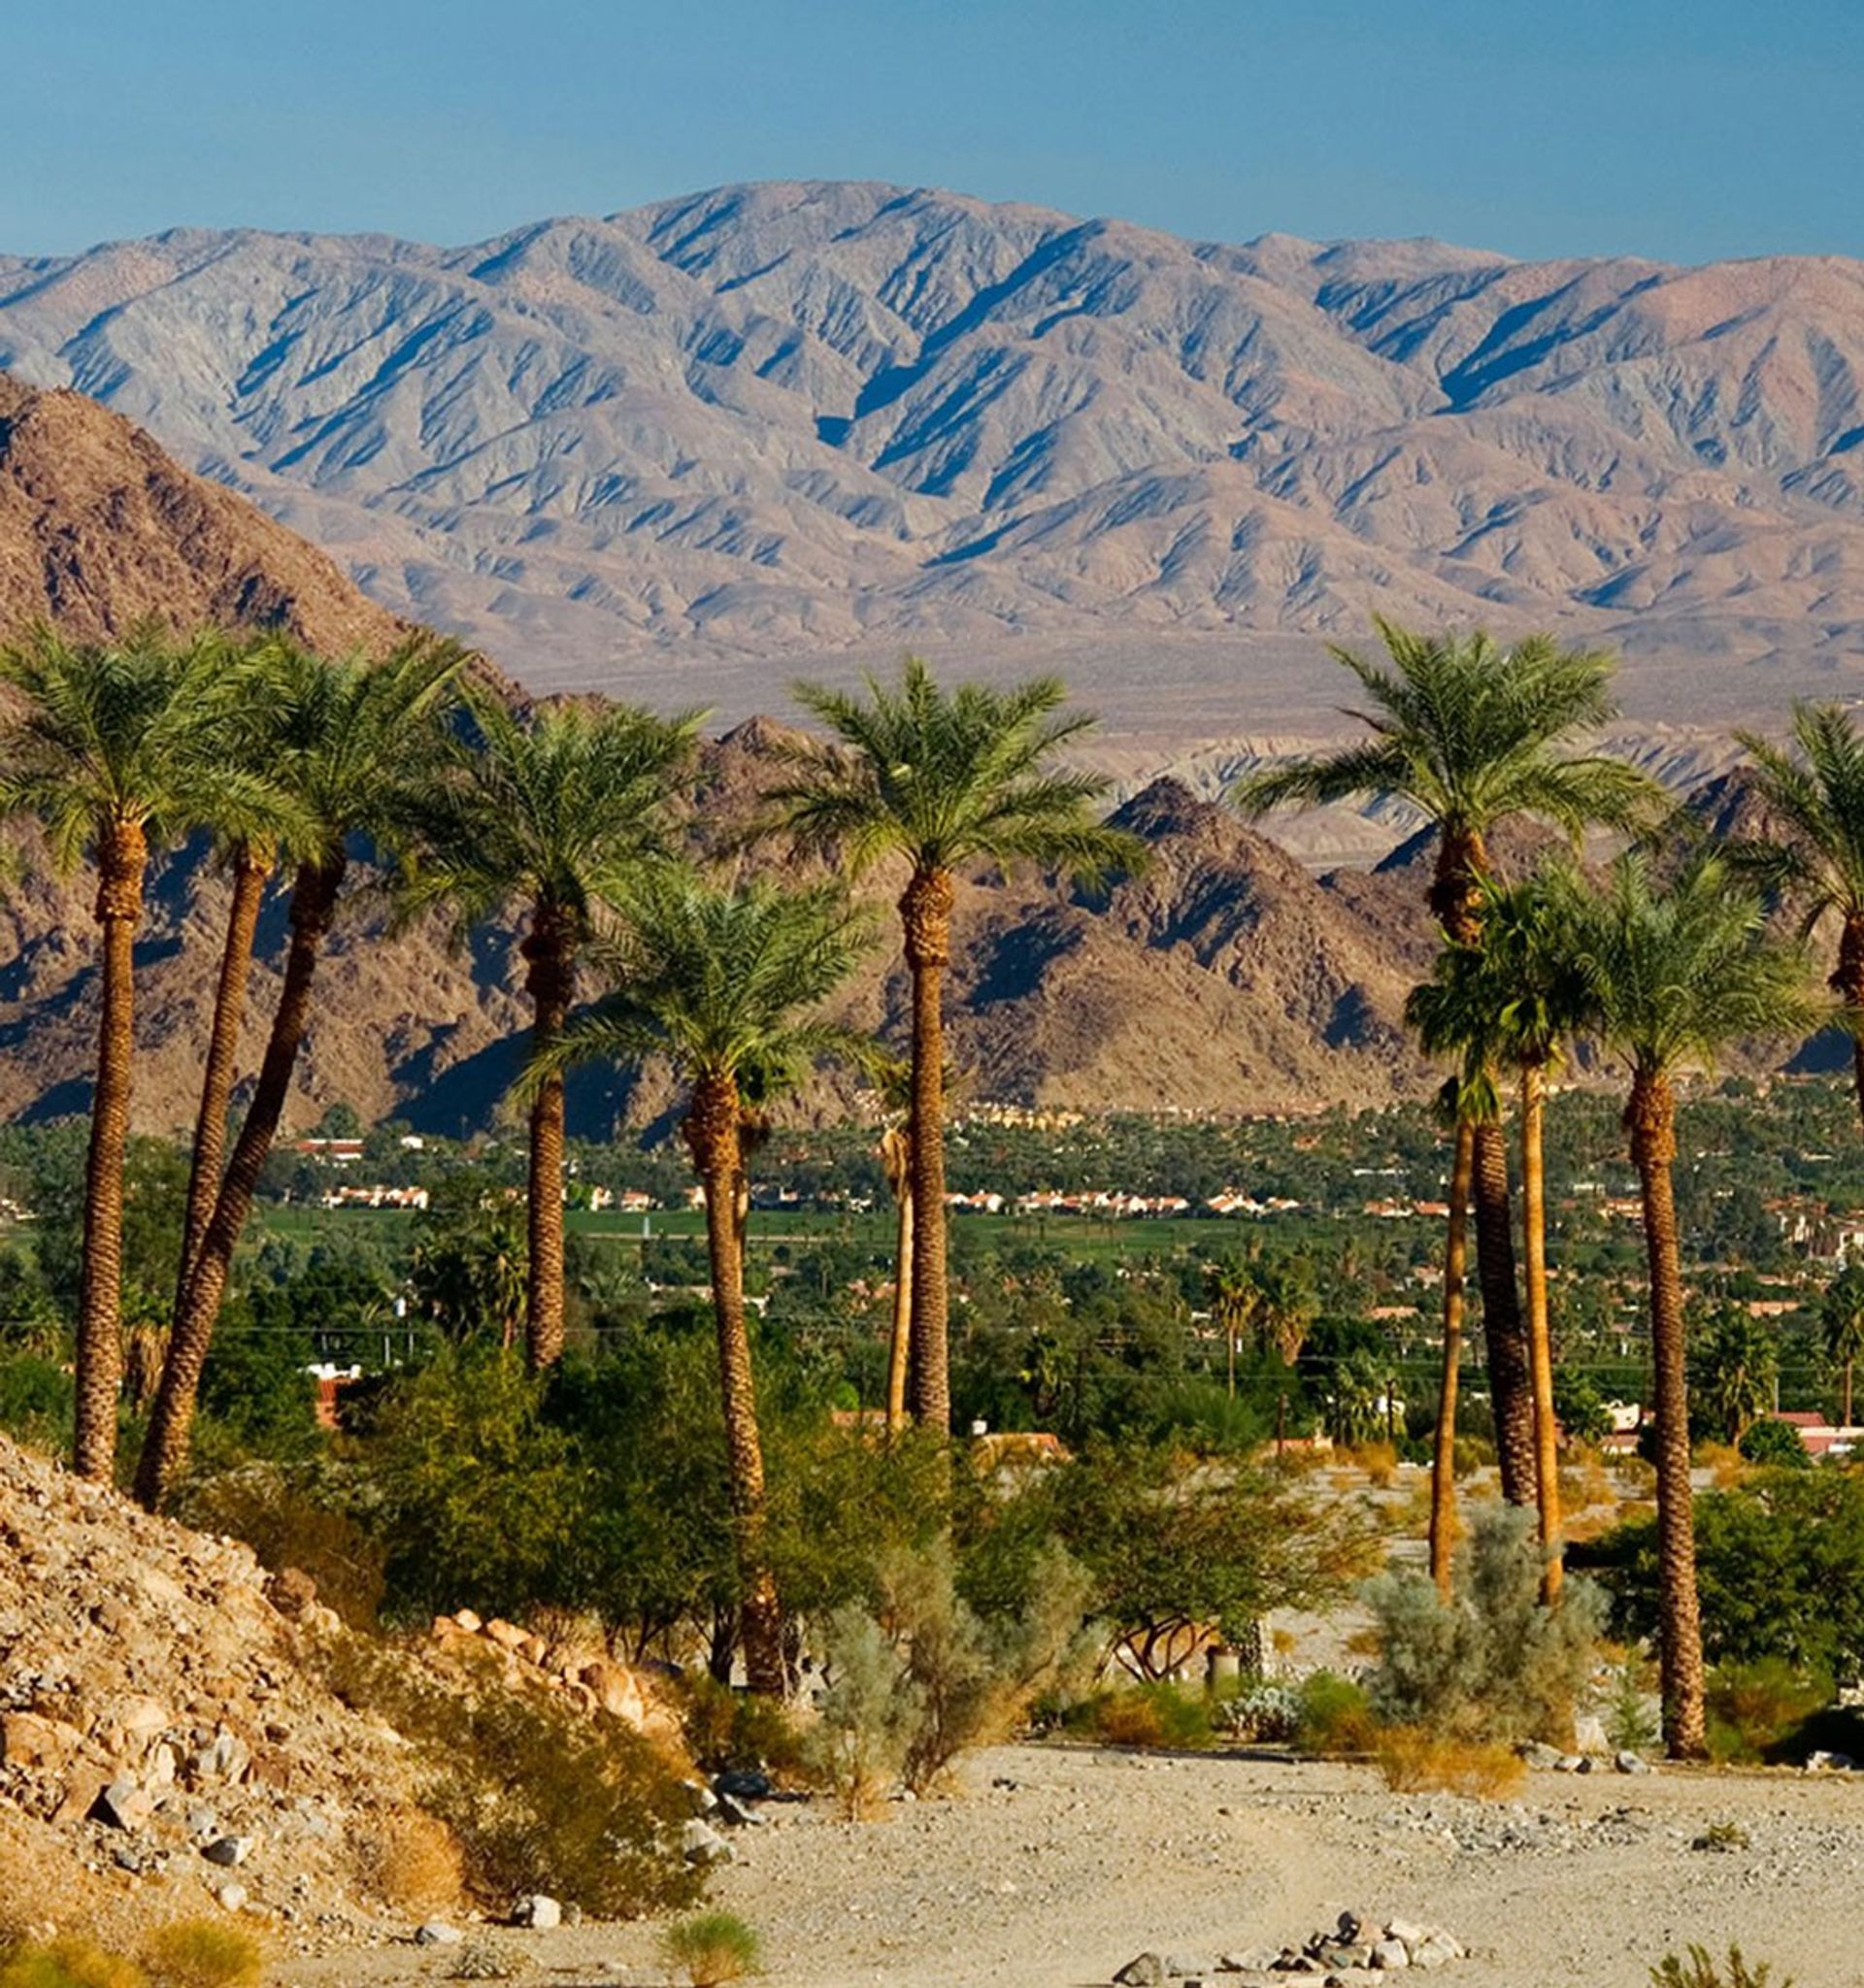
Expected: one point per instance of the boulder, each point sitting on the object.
(539, 1911)
(1629, 1763)
(702, 1844)
(1143, 1971)
(438, 1933)
(125, 1803)
(43, 1745)
(228, 1852)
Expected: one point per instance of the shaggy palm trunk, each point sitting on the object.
(1651, 1120)
(896, 1156)
(314, 902)
(1504, 1343)
(1847, 983)
(925, 908)
(1455, 898)
(711, 1138)
(122, 856)
(250, 869)
(549, 953)
(1442, 1475)
(1540, 1337)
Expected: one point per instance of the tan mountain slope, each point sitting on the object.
(99, 529)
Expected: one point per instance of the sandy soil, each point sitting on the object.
(1056, 1865)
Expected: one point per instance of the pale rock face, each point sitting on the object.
(840, 417)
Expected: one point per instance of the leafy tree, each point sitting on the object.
(349, 738)
(116, 750)
(933, 781)
(720, 979)
(1733, 1368)
(1475, 736)
(467, 1274)
(1842, 1314)
(1676, 970)
(554, 812)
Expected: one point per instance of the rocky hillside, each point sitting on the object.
(796, 421)
(99, 529)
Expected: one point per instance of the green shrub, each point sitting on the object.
(287, 1525)
(1752, 1708)
(1492, 1664)
(67, 1962)
(725, 1729)
(538, 1798)
(1775, 1444)
(204, 1953)
(1699, 1970)
(1336, 1716)
(1631, 1716)
(867, 1714)
(711, 1949)
(36, 1400)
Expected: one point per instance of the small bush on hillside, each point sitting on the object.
(538, 1798)
(1491, 1664)
(67, 1962)
(36, 1400)
(724, 1729)
(409, 1859)
(712, 1949)
(204, 1953)
(1700, 1970)
(287, 1525)
(1414, 1760)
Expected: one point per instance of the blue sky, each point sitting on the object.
(1685, 129)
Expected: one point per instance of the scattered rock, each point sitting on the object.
(232, 1895)
(702, 1844)
(438, 1933)
(539, 1911)
(1143, 1971)
(1629, 1761)
(126, 1804)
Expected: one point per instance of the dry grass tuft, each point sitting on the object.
(204, 1953)
(1413, 1760)
(409, 1858)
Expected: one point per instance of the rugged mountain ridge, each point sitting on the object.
(817, 422)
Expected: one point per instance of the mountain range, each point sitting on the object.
(692, 450)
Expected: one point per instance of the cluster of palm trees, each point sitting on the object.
(576, 823)
(1668, 961)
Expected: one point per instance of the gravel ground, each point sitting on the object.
(1053, 1865)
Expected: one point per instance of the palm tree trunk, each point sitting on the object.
(1504, 1342)
(1848, 1395)
(899, 1356)
(712, 1137)
(1540, 1340)
(122, 856)
(251, 869)
(549, 949)
(1847, 983)
(314, 901)
(1651, 1120)
(925, 908)
(1442, 1475)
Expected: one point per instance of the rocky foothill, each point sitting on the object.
(168, 1747)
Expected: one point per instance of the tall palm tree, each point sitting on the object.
(117, 750)
(352, 739)
(1814, 796)
(932, 781)
(1516, 996)
(549, 811)
(1844, 1319)
(721, 980)
(1676, 970)
(1473, 736)
(1733, 1369)
(1234, 1297)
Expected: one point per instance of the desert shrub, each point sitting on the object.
(1472, 1453)
(1259, 1710)
(1752, 1708)
(867, 1714)
(1378, 1461)
(70, 1961)
(35, 1400)
(1413, 1759)
(281, 1517)
(1492, 1664)
(1336, 1716)
(203, 1953)
(1699, 1970)
(1630, 1714)
(723, 1728)
(1780, 1566)
(409, 1859)
(1722, 1836)
(1775, 1446)
(1156, 1714)
(538, 1798)
(929, 1677)
(711, 1949)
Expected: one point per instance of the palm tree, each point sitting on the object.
(552, 811)
(1234, 1297)
(353, 739)
(722, 981)
(1675, 971)
(1843, 1318)
(116, 750)
(934, 781)
(1815, 851)
(1733, 1369)
(1514, 997)
(1473, 736)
